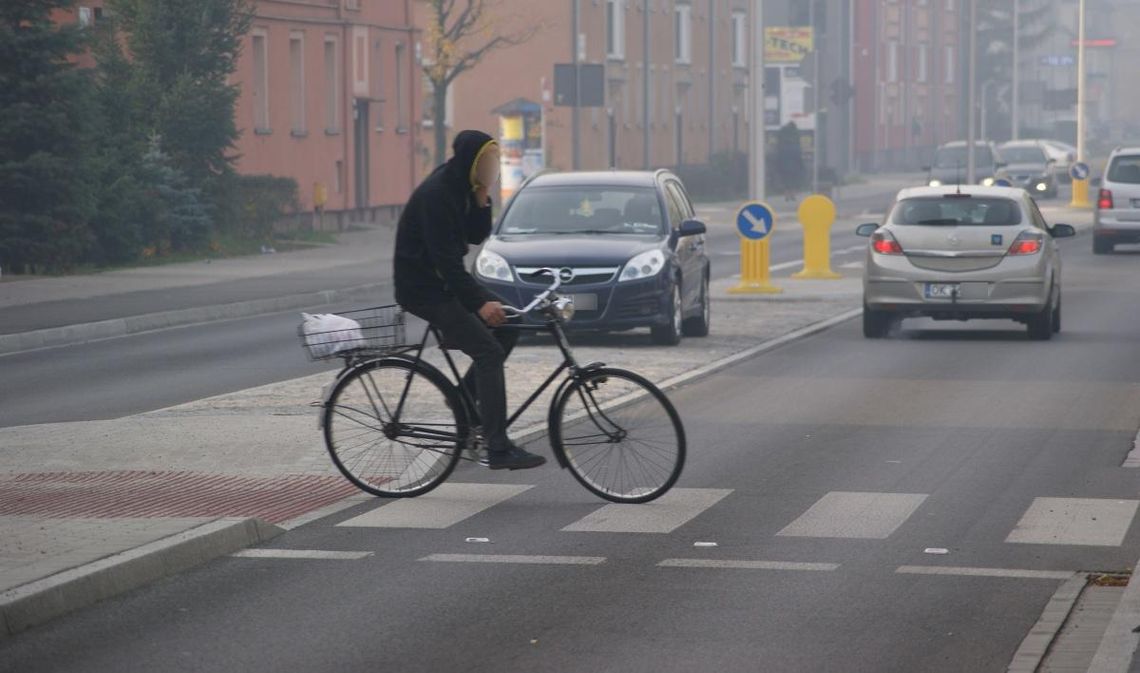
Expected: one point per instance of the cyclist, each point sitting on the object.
(448, 211)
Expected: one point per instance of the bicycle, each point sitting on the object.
(397, 426)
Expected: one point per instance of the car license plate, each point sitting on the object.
(585, 302)
(1136, 203)
(941, 290)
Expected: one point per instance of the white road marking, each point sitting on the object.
(663, 515)
(745, 565)
(841, 514)
(302, 554)
(1075, 521)
(985, 572)
(445, 506)
(516, 558)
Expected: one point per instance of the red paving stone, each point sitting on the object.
(142, 494)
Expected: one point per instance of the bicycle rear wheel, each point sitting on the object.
(621, 436)
(394, 427)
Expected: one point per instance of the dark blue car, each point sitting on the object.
(626, 244)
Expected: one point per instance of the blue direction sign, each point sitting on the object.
(754, 221)
(1079, 171)
(1002, 182)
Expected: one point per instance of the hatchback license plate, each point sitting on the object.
(941, 290)
(585, 302)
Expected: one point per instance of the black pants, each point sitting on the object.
(488, 348)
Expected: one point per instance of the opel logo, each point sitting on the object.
(566, 274)
(953, 240)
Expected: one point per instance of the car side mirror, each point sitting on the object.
(1096, 182)
(692, 228)
(866, 230)
(1063, 231)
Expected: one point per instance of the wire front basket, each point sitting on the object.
(360, 333)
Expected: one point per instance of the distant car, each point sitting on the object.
(627, 246)
(1117, 216)
(1030, 167)
(1064, 155)
(963, 254)
(950, 164)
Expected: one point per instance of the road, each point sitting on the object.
(822, 470)
(143, 372)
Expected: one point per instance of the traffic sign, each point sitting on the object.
(1002, 182)
(755, 221)
(1079, 171)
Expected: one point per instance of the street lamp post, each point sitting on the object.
(972, 102)
(756, 145)
(1081, 187)
(1016, 108)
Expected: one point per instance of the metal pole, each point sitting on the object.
(972, 104)
(1081, 187)
(815, 146)
(576, 151)
(712, 79)
(645, 140)
(1016, 70)
(756, 145)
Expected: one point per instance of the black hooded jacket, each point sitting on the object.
(439, 222)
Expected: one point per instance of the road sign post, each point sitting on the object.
(755, 222)
(1079, 172)
(817, 214)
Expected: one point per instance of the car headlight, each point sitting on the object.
(645, 265)
(1041, 187)
(493, 266)
(988, 182)
(934, 183)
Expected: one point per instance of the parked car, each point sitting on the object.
(1116, 219)
(950, 163)
(963, 253)
(627, 245)
(1030, 167)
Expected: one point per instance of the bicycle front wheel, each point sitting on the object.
(395, 428)
(621, 436)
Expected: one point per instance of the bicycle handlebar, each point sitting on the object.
(541, 297)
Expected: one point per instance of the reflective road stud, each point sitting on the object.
(755, 222)
(817, 214)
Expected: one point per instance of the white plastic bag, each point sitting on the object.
(327, 333)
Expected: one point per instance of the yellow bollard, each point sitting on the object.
(817, 214)
(755, 222)
(1080, 194)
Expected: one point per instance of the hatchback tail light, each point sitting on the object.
(1027, 244)
(884, 243)
(1104, 201)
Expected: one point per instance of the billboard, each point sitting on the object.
(787, 44)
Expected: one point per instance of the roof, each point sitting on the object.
(1127, 149)
(971, 190)
(963, 143)
(615, 178)
(1022, 143)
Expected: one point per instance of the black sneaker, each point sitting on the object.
(513, 458)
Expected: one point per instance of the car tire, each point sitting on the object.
(1040, 326)
(670, 334)
(699, 326)
(876, 324)
(1101, 247)
(1057, 316)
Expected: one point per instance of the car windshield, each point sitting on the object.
(585, 210)
(1125, 169)
(1024, 155)
(956, 211)
(951, 157)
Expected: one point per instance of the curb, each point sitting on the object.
(1037, 642)
(37, 602)
(69, 335)
(1120, 639)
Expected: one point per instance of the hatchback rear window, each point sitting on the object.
(1125, 169)
(956, 211)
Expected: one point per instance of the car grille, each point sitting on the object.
(582, 275)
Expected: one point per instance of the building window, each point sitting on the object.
(949, 5)
(615, 29)
(379, 95)
(892, 61)
(951, 66)
(923, 56)
(260, 83)
(401, 113)
(652, 102)
(683, 33)
(352, 4)
(339, 177)
(297, 82)
(332, 86)
(86, 17)
(739, 40)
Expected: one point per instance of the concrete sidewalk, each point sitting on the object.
(191, 482)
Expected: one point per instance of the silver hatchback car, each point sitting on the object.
(1117, 216)
(962, 254)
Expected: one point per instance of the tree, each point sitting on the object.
(1038, 20)
(45, 193)
(458, 35)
